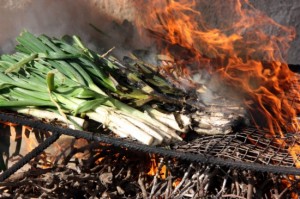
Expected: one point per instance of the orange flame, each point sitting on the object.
(176, 182)
(239, 48)
(156, 168)
(8, 124)
(291, 182)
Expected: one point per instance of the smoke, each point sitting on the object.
(49, 17)
(56, 18)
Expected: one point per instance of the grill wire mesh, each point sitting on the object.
(250, 144)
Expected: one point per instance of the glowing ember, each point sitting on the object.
(241, 52)
(291, 183)
(153, 167)
(8, 124)
(176, 182)
(156, 168)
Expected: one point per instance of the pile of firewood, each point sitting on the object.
(95, 170)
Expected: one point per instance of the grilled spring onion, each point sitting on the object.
(66, 78)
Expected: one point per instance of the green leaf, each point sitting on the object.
(24, 103)
(58, 56)
(90, 105)
(48, 41)
(16, 67)
(31, 42)
(87, 94)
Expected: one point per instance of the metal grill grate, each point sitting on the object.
(249, 145)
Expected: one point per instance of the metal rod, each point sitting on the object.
(32, 154)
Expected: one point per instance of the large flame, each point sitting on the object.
(243, 47)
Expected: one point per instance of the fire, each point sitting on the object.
(156, 168)
(240, 50)
(28, 142)
(291, 182)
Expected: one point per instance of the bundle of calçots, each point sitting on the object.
(61, 78)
